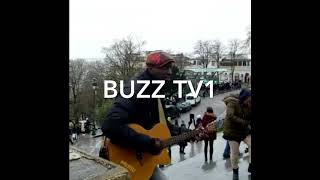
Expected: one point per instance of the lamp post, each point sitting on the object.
(94, 86)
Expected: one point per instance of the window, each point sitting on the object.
(194, 62)
(244, 63)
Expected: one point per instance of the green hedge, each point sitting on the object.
(102, 110)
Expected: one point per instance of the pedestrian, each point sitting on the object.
(237, 127)
(184, 143)
(198, 121)
(209, 117)
(71, 127)
(82, 123)
(203, 89)
(176, 122)
(191, 121)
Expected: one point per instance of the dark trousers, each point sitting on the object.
(206, 148)
(182, 147)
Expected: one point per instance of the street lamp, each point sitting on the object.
(94, 86)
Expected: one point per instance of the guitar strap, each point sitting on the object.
(163, 120)
(162, 117)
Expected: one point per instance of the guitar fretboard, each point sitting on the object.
(180, 138)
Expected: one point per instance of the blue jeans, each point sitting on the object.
(227, 149)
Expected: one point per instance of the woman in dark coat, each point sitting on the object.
(209, 117)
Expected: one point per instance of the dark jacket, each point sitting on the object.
(208, 118)
(183, 129)
(237, 120)
(198, 122)
(133, 110)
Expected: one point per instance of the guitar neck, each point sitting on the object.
(181, 138)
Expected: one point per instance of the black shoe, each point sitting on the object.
(250, 168)
(236, 174)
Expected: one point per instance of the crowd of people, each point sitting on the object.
(221, 87)
(84, 126)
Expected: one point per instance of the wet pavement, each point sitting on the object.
(191, 165)
(89, 144)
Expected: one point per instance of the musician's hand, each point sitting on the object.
(157, 146)
(211, 127)
(202, 135)
(158, 143)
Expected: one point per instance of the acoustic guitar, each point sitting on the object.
(141, 165)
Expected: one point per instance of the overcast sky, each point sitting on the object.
(163, 24)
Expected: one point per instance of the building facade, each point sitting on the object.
(242, 67)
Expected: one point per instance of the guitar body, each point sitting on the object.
(141, 169)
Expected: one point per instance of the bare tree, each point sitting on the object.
(234, 50)
(246, 43)
(218, 50)
(248, 40)
(203, 49)
(77, 72)
(181, 61)
(124, 57)
(96, 70)
(85, 100)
